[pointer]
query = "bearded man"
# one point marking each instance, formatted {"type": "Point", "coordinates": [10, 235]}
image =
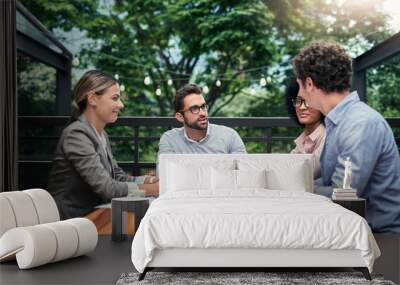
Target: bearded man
{"type": "Point", "coordinates": [197, 135]}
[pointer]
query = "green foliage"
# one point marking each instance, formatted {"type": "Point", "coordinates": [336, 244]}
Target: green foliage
{"type": "Point", "coordinates": [358, 25]}
{"type": "Point", "coordinates": [199, 41]}
{"type": "Point", "coordinates": [383, 87]}
{"type": "Point", "coordinates": [203, 41]}
{"type": "Point", "coordinates": [36, 84]}
{"type": "Point", "coordinates": [63, 14]}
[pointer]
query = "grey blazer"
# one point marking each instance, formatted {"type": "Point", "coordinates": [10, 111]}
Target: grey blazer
{"type": "Point", "coordinates": [83, 174]}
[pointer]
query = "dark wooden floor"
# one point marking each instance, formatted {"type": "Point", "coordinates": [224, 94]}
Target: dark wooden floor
{"type": "Point", "coordinates": [102, 266]}
{"type": "Point", "coordinates": [110, 259]}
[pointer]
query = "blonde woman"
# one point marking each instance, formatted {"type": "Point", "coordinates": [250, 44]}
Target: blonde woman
{"type": "Point", "coordinates": [85, 173]}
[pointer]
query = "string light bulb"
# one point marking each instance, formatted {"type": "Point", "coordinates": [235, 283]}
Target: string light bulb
{"type": "Point", "coordinates": [169, 82]}
{"type": "Point", "coordinates": [158, 91]}
{"type": "Point", "coordinates": [218, 83]}
{"type": "Point", "coordinates": [263, 81]}
{"type": "Point", "coordinates": [205, 89]}
{"type": "Point", "coordinates": [147, 80]}
{"type": "Point", "coordinates": [116, 76]}
{"type": "Point", "coordinates": [269, 79]}
{"type": "Point", "coordinates": [122, 88]}
{"type": "Point", "coordinates": [75, 61]}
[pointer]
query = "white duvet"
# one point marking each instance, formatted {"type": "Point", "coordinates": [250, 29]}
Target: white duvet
{"type": "Point", "coordinates": [250, 219]}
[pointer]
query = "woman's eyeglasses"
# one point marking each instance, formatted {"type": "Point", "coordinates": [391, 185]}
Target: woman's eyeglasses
{"type": "Point", "coordinates": [196, 109]}
{"type": "Point", "coordinates": [299, 101]}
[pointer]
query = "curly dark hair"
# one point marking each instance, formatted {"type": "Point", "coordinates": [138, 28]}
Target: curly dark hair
{"type": "Point", "coordinates": [291, 91]}
{"type": "Point", "coordinates": [327, 64]}
{"type": "Point", "coordinates": [186, 90]}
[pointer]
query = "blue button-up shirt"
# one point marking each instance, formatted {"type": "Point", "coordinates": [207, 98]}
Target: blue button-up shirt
{"type": "Point", "coordinates": [355, 130]}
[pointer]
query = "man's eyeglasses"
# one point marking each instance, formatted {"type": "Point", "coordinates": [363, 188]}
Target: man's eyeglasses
{"type": "Point", "coordinates": [196, 109]}
{"type": "Point", "coordinates": [299, 101]}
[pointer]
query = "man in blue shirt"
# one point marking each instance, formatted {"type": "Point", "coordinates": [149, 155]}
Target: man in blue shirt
{"type": "Point", "coordinates": [197, 135]}
{"type": "Point", "coordinates": [354, 130]}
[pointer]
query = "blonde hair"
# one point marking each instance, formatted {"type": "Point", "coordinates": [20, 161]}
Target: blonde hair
{"type": "Point", "coordinates": [92, 81]}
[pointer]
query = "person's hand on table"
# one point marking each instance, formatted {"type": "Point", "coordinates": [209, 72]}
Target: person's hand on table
{"type": "Point", "coordinates": [151, 173]}
{"type": "Point", "coordinates": [149, 179]}
{"type": "Point", "coordinates": [150, 189]}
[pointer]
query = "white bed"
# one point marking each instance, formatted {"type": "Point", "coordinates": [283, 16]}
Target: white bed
{"type": "Point", "coordinates": [247, 211]}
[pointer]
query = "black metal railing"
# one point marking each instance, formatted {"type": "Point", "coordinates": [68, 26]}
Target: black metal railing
{"type": "Point", "coordinates": [135, 140]}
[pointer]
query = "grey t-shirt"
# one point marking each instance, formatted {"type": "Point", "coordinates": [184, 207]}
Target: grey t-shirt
{"type": "Point", "coordinates": [219, 139]}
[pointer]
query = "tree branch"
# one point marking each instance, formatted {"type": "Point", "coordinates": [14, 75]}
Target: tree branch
{"type": "Point", "coordinates": [226, 103]}
{"type": "Point", "coordinates": [193, 64]}
{"type": "Point", "coordinates": [213, 91]}
{"type": "Point", "coordinates": [165, 59]}
{"type": "Point", "coordinates": [169, 66]}
{"type": "Point", "coordinates": [214, 94]}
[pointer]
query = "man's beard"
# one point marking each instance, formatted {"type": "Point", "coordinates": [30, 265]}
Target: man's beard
{"type": "Point", "coordinates": [196, 125]}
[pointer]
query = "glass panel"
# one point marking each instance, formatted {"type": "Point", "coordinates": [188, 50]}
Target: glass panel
{"type": "Point", "coordinates": [36, 87]}
{"type": "Point", "coordinates": [383, 87]}
{"type": "Point", "coordinates": [36, 95]}
{"type": "Point", "coordinates": [383, 90]}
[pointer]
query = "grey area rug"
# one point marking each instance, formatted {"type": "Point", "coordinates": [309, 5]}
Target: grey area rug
{"type": "Point", "coordinates": [226, 278]}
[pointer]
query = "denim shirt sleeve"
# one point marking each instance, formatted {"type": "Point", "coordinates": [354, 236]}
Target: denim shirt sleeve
{"type": "Point", "coordinates": [361, 143]}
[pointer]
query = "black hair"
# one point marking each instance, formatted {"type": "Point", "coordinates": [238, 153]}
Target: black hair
{"type": "Point", "coordinates": [186, 90]}
{"type": "Point", "coordinates": [291, 92]}
{"type": "Point", "coordinates": [327, 64]}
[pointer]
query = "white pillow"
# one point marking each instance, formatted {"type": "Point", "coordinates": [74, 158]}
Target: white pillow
{"type": "Point", "coordinates": [280, 180]}
{"type": "Point", "coordinates": [228, 179]}
{"type": "Point", "coordinates": [193, 173]}
{"type": "Point", "coordinates": [223, 179]}
{"type": "Point", "coordinates": [286, 173]}
{"type": "Point", "coordinates": [183, 177]}
{"type": "Point", "coordinates": [251, 178]}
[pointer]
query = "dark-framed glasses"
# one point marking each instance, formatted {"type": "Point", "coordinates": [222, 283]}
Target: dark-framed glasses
{"type": "Point", "coordinates": [299, 101]}
{"type": "Point", "coordinates": [196, 109]}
